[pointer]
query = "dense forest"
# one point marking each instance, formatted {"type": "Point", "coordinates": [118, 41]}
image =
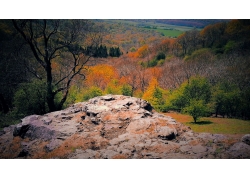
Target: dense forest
{"type": "Point", "coordinates": [47, 65]}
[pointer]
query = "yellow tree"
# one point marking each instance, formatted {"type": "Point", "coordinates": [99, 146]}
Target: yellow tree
{"type": "Point", "coordinates": [155, 95]}
{"type": "Point", "coordinates": [100, 75]}
{"type": "Point", "coordinates": [143, 51]}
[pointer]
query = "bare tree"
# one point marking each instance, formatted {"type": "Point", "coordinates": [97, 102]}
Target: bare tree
{"type": "Point", "coordinates": [189, 41]}
{"type": "Point", "coordinates": [49, 40]}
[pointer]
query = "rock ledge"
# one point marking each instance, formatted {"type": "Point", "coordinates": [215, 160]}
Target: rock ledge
{"type": "Point", "coordinates": [114, 126]}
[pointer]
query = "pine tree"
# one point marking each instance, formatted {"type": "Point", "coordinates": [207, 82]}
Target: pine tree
{"type": "Point", "coordinates": [111, 52]}
{"type": "Point", "coordinates": [105, 52]}
{"type": "Point", "coordinates": [117, 52]}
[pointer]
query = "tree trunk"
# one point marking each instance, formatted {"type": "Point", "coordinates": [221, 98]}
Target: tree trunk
{"type": "Point", "coordinates": [60, 105]}
{"type": "Point", "coordinates": [195, 119]}
{"type": "Point", "coordinates": [50, 101]}
{"type": "Point", "coordinates": [3, 105]}
{"type": "Point", "coordinates": [50, 94]}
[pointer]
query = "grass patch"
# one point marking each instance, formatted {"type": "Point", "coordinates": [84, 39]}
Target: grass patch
{"type": "Point", "coordinates": [170, 32]}
{"type": "Point", "coordinates": [166, 32]}
{"type": "Point", "coordinates": [213, 125]}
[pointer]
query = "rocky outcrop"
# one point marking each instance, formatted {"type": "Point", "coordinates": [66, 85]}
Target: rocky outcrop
{"type": "Point", "coordinates": [246, 139]}
{"type": "Point", "coordinates": [114, 126]}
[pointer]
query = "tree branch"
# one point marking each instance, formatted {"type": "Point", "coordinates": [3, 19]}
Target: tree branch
{"type": "Point", "coordinates": [29, 41]}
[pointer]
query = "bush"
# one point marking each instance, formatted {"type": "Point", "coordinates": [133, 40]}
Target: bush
{"type": "Point", "coordinates": [157, 61]}
{"type": "Point", "coordinates": [91, 93]}
{"type": "Point", "coordinates": [227, 100]}
{"type": "Point", "coordinates": [230, 46]}
{"type": "Point", "coordinates": [9, 119]}
{"type": "Point", "coordinates": [160, 62]}
{"type": "Point", "coordinates": [127, 90]}
{"type": "Point", "coordinates": [160, 56]}
{"type": "Point", "coordinates": [30, 98]}
{"type": "Point", "coordinates": [75, 95]}
{"type": "Point", "coordinates": [156, 96]}
{"type": "Point", "coordinates": [152, 63]}
{"type": "Point", "coordinates": [200, 54]}
{"type": "Point", "coordinates": [132, 49]}
{"type": "Point", "coordinates": [113, 87]}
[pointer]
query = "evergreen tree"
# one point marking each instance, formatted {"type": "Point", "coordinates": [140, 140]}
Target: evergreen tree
{"type": "Point", "coordinates": [117, 52]}
{"type": "Point", "coordinates": [111, 52]}
{"type": "Point", "coordinates": [100, 51]}
{"type": "Point", "coordinates": [105, 52]}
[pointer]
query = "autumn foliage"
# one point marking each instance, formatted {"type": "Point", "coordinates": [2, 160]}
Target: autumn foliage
{"type": "Point", "coordinates": [160, 70]}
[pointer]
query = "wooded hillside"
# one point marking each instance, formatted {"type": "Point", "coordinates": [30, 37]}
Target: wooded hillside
{"type": "Point", "coordinates": [47, 65]}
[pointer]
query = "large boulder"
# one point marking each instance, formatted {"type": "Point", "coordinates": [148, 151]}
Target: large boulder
{"type": "Point", "coordinates": [246, 139]}
{"type": "Point", "coordinates": [113, 126]}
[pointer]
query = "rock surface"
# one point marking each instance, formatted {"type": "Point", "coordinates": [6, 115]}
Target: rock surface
{"type": "Point", "coordinates": [117, 127]}
{"type": "Point", "coordinates": [246, 139]}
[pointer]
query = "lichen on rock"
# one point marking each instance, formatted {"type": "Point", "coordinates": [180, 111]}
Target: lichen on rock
{"type": "Point", "coordinates": [113, 126]}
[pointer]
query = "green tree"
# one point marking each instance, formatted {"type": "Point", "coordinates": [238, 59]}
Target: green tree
{"type": "Point", "coordinates": [132, 49]}
{"type": "Point", "coordinates": [113, 87]}
{"type": "Point", "coordinates": [92, 92]}
{"type": "Point", "coordinates": [155, 95]}
{"type": "Point", "coordinates": [115, 52]}
{"type": "Point", "coordinates": [196, 108]}
{"type": "Point", "coordinates": [112, 52]}
{"type": "Point", "coordinates": [30, 98]}
{"type": "Point", "coordinates": [192, 97]}
{"type": "Point", "coordinates": [177, 100]}
{"type": "Point", "coordinates": [245, 105]}
{"type": "Point", "coordinates": [227, 100]}
{"type": "Point", "coordinates": [198, 88]}
{"type": "Point", "coordinates": [158, 100]}
{"type": "Point", "coordinates": [104, 52]}
{"type": "Point", "coordinates": [126, 90]}
{"type": "Point", "coordinates": [160, 56]}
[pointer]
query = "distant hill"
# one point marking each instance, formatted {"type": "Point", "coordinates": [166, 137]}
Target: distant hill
{"type": "Point", "coordinates": [199, 23]}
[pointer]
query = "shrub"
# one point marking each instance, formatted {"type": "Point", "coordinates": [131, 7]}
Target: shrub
{"type": "Point", "coordinates": [92, 92]}
{"type": "Point", "coordinates": [160, 56]}
{"type": "Point", "coordinates": [160, 62]}
{"type": "Point", "coordinates": [113, 87]}
{"type": "Point", "coordinates": [156, 96]}
{"type": "Point", "coordinates": [127, 90]}
{"type": "Point", "coordinates": [227, 100]}
{"type": "Point", "coordinates": [30, 98]}
{"type": "Point", "coordinates": [230, 46]}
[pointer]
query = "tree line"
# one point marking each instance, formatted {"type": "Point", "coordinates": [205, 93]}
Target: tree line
{"type": "Point", "coordinates": [102, 51]}
{"type": "Point", "coordinates": [219, 53]}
